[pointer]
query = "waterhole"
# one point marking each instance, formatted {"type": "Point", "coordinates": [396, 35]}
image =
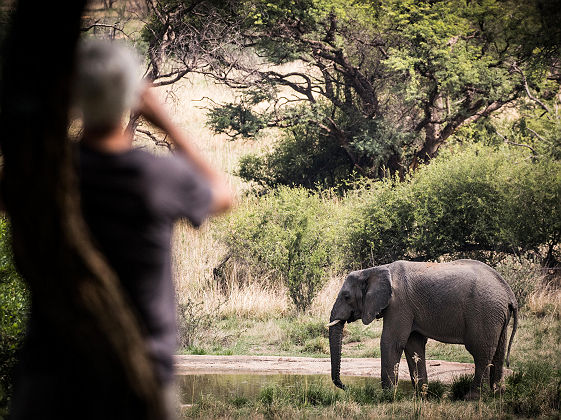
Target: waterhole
{"type": "Point", "coordinates": [193, 388]}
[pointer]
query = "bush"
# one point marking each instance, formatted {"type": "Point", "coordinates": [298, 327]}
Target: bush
{"type": "Point", "coordinates": [470, 202]}
{"type": "Point", "coordinates": [474, 202]}
{"type": "Point", "coordinates": [191, 320]}
{"type": "Point", "coordinates": [458, 204]}
{"type": "Point", "coordinates": [14, 308]}
{"type": "Point", "coordinates": [532, 216]}
{"type": "Point", "coordinates": [460, 387]}
{"type": "Point", "coordinates": [301, 331]}
{"type": "Point", "coordinates": [436, 390]}
{"type": "Point", "coordinates": [380, 222]}
{"type": "Point", "coordinates": [302, 157]}
{"type": "Point", "coordinates": [523, 278]}
{"type": "Point", "coordinates": [286, 234]}
{"type": "Point", "coordinates": [535, 390]}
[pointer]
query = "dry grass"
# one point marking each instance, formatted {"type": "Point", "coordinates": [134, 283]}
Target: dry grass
{"type": "Point", "coordinates": [253, 300]}
{"type": "Point", "coordinates": [545, 302]}
{"type": "Point", "coordinates": [321, 305]}
{"type": "Point", "coordinates": [195, 251]}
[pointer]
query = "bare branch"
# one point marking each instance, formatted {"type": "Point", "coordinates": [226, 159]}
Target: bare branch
{"type": "Point", "coordinates": [158, 142]}
{"type": "Point", "coordinates": [527, 88]}
{"type": "Point", "coordinates": [104, 25]}
{"type": "Point", "coordinates": [507, 141]}
{"type": "Point", "coordinates": [178, 76]}
{"type": "Point", "coordinates": [536, 134]}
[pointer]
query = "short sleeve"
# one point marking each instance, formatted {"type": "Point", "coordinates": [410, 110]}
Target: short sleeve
{"type": "Point", "coordinates": [182, 192]}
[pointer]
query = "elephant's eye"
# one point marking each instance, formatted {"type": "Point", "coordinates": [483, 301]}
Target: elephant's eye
{"type": "Point", "coordinates": [346, 295]}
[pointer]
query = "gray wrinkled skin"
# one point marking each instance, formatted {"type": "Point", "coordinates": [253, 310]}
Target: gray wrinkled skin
{"type": "Point", "coordinates": [464, 302]}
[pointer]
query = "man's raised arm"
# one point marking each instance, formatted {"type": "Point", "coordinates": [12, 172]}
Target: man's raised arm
{"type": "Point", "coordinates": [152, 109]}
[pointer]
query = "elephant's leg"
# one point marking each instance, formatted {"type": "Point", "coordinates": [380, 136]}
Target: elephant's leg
{"type": "Point", "coordinates": [496, 369]}
{"type": "Point", "coordinates": [415, 355]}
{"type": "Point", "coordinates": [392, 343]}
{"type": "Point", "coordinates": [482, 357]}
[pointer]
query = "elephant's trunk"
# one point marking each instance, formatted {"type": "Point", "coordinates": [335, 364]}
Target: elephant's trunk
{"type": "Point", "coordinates": [335, 344]}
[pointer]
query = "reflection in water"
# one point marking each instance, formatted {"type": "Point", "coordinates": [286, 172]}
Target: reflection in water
{"type": "Point", "coordinates": [191, 388]}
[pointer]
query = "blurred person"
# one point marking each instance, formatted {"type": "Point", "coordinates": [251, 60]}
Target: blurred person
{"type": "Point", "coordinates": [130, 200]}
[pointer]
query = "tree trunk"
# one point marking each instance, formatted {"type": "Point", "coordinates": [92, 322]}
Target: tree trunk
{"type": "Point", "coordinates": [71, 284]}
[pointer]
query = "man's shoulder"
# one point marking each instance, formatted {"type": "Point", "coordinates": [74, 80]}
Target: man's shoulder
{"type": "Point", "coordinates": [163, 166]}
{"type": "Point", "coordinates": [141, 159]}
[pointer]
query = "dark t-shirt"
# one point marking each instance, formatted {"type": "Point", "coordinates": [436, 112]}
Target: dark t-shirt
{"type": "Point", "coordinates": [130, 201]}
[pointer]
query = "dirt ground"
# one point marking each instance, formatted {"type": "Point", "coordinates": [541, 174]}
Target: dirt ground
{"type": "Point", "coordinates": [203, 364]}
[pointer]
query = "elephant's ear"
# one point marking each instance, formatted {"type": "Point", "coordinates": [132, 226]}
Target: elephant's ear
{"type": "Point", "coordinates": [378, 293]}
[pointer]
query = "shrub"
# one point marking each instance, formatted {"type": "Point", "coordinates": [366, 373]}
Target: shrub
{"type": "Point", "coordinates": [470, 202]}
{"type": "Point", "coordinates": [301, 157]}
{"type": "Point", "coordinates": [532, 218]}
{"type": "Point", "coordinates": [287, 234]}
{"type": "Point", "coordinates": [436, 390]}
{"type": "Point", "coordinates": [301, 331]}
{"type": "Point", "coordinates": [460, 387]}
{"type": "Point", "coordinates": [317, 345]}
{"type": "Point", "coordinates": [380, 221]}
{"type": "Point", "coordinates": [535, 390]}
{"type": "Point", "coordinates": [458, 204]}
{"type": "Point", "coordinates": [14, 307]}
{"type": "Point", "coordinates": [523, 278]}
{"type": "Point", "coordinates": [194, 321]}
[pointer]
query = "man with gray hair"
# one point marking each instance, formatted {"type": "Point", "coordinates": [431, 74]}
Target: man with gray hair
{"type": "Point", "coordinates": [130, 200]}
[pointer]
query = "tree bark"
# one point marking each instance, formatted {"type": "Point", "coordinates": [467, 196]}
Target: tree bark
{"type": "Point", "coordinates": [71, 284]}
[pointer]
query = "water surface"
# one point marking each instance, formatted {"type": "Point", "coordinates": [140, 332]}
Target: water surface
{"type": "Point", "coordinates": [191, 388]}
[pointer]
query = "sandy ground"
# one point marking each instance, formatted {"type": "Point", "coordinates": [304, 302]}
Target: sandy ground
{"type": "Point", "coordinates": [195, 364]}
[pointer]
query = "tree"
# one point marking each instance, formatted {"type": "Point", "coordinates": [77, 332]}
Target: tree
{"type": "Point", "coordinates": [389, 82]}
{"type": "Point", "coordinates": [68, 278]}
{"type": "Point", "coordinates": [176, 38]}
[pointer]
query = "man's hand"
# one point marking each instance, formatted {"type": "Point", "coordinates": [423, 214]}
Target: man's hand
{"type": "Point", "coordinates": [152, 110]}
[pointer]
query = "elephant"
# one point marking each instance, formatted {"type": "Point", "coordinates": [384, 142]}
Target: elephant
{"type": "Point", "coordinates": [463, 302]}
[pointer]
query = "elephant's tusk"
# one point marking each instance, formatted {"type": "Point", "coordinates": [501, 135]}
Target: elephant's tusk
{"type": "Point", "coordinates": [333, 323]}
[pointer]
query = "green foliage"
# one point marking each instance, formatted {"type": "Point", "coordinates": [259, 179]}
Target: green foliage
{"type": "Point", "coordinates": [285, 234]}
{"type": "Point", "coordinates": [535, 390]}
{"type": "Point", "coordinates": [14, 308]}
{"type": "Point", "coordinates": [320, 394]}
{"type": "Point", "coordinates": [467, 202]}
{"type": "Point", "coordinates": [460, 387]}
{"type": "Point", "coordinates": [301, 157]}
{"type": "Point", "coordinates": [238, 118]}
{"type": "Point", "coordinates": [436, 390]}
{"type": "Point", "coordinates": [458, 203]}
{"type": "Point", "coordinates": [379, 224]}
{"type": "Point", "coordinates": [311, 335]}
{"type": "Point", "coordinates": [373, 394]}
{"type": "Point", "coordinates": [301, 331]}
{"type": "Point", "coordinates": [396, 80]}
{"type": "Point", "coordinates": [239, 402]}
{"type": "Point", "coordinates": [533, 213]}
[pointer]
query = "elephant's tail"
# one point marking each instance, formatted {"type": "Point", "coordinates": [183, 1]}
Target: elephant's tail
{"type": "Point", "coordinates": [513, 307]}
